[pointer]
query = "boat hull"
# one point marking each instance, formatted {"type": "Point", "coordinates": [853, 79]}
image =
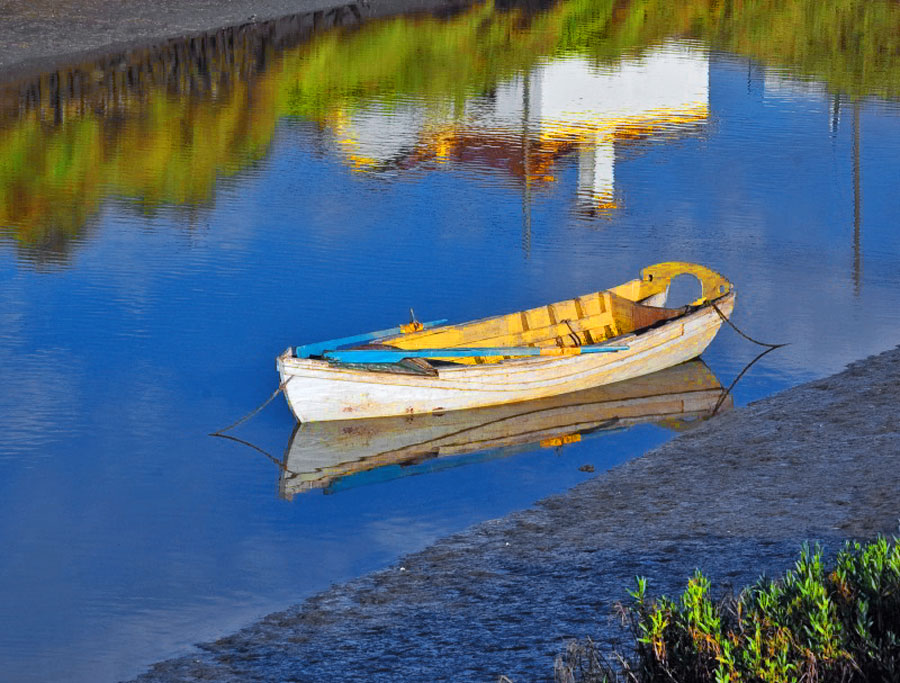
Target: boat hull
{"type": "Point", "coordinates": [318, 391]}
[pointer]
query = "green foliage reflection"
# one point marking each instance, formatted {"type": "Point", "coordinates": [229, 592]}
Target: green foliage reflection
{"type": "Point", "coordinates": [138, 140]}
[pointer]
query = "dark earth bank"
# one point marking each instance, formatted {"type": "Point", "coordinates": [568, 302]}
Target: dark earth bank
{"type": "Point", "coordinates": [40, 35]}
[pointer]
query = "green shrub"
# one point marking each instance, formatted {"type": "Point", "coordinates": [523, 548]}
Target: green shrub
{"type": "Point", "coordinates": [810, 625]}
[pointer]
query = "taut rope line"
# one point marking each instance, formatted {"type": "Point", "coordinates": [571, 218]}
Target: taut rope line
{"type": "Point", "coordinates": [253, 412]}
{"type": "Point", "coordinates": [769, 348]}
{"type": "Point", "coordinates": [744, 335]}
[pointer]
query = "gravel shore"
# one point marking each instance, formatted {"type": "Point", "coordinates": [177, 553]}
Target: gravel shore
{"type": "Point", "coordinates": [735, 497]}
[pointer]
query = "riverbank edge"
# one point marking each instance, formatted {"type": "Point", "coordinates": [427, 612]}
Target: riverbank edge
{"type": "Point", "coordinates": [41, 36]}
{"type": "Point", "coordinates": [736, 497]}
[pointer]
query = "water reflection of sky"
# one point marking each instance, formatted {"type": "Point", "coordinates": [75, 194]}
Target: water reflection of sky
{"type": "Point", "coordinates": [130, 533]}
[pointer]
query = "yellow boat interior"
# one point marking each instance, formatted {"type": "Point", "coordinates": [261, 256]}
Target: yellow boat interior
{"type": "Point", "coordinates": [590, 319]}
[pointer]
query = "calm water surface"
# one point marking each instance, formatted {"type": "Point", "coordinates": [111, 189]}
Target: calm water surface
{"type": "Point", "coordinates": [172, 219]}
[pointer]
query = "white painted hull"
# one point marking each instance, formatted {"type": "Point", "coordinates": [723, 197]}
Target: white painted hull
{"type": "Point", "coordinates": [318, 391]}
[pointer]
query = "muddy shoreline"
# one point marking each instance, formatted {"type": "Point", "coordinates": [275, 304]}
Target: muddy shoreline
{"type": "Point", "coordinates": [735, 497]}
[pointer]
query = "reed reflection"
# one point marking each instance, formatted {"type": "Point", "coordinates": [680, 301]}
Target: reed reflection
{"type": "Point", "coordinates": [158, 127]}
{"type": "Point", "coordinates": [334, 455]}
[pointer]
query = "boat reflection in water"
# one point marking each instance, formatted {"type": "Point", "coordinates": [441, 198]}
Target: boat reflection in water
{"type": "Point", "coordinates": [342, 454]}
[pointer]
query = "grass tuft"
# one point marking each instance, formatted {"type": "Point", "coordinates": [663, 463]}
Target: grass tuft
{"type": "Point", "coordinates": [813, 624]}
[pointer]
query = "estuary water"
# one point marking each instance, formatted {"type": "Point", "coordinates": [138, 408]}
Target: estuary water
{"type": "Point", "coordinates": [173, 218]}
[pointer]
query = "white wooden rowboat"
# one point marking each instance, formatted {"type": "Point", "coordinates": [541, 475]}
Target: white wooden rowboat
{"type": "Point", "coordinates": [341, 454]}
{"type": "Point", "coordinates": [415, 369]}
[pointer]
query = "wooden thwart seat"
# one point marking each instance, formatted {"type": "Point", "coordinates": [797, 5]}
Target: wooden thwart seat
{"type": "Point", "coordinates": [585, 320]}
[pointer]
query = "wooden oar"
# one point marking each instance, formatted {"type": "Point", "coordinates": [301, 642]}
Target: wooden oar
{"type": "Point", "coordinates": [320, 347]}
{"type": "Point", "coordinates": [396, 355]}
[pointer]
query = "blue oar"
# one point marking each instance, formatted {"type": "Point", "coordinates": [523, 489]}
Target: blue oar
{"type": "Point", "coordinates": [396, 355]}
{"type": "Point", "coordinates": [318, 348]}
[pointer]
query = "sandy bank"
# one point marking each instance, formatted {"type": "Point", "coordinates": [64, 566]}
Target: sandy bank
{"type": "Point", "coordinates": [736, 497]}
{"type": "Point", "coordinates": [39, 35]}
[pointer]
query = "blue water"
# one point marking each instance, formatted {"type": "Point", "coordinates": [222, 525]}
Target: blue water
{"type": "Point", "coordinates": [129, 533]}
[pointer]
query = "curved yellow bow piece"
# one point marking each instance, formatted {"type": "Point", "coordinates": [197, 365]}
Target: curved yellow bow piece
{"type": "Point", "coordinates": [713, 285]}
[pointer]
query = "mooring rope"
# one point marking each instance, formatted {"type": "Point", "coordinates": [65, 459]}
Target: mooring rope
{"type": "Point", "coordinates": [253, 446]}
{"type": "Point", "coordinates": [741, 374]}
{"type": "Point", "coordinates": [744, 335]}
{"type": "Point", "coordinates": [253, 412]}
{"type": "Point", "coordinates": [769, 348]}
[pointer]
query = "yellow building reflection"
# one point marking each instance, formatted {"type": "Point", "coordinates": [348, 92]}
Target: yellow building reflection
{"type": "Point", "coordinates": [527, 123]}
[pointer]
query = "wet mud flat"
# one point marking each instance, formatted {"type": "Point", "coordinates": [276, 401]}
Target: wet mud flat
{"type": "Point", "coordinates": [735, 497]}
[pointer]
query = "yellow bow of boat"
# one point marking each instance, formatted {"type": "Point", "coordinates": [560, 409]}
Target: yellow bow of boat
{"type": "Point", "coordinates": [595, 339]}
